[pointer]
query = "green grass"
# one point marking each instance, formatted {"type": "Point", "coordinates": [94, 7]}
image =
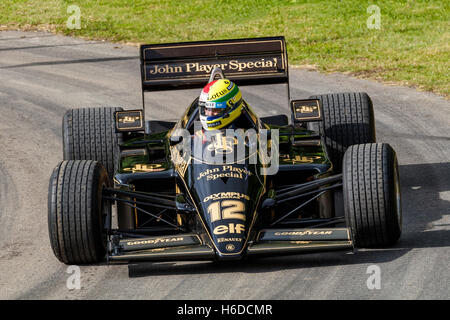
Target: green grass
{"type": "Point", "coordinates": [411, 47]}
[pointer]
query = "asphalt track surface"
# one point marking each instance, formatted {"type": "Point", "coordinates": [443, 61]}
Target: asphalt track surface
{"type": "Point", "coordinates": [43, 75]}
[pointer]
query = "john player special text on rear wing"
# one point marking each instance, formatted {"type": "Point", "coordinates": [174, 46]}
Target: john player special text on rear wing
{"type": "Point", "coordinates": [189, 64]}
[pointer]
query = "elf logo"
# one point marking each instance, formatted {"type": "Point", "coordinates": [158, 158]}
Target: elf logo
{"type": "Point", "coordinates": [237, 228]}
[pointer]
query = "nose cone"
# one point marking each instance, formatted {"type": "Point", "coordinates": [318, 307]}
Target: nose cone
{"type": "Point", "coordinates": [226, 187]}
{"type": "Point", "coordinates": [227, 197]}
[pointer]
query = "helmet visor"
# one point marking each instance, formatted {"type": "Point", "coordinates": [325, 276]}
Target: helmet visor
{"type": "Point", "coordinates": [212, 110]}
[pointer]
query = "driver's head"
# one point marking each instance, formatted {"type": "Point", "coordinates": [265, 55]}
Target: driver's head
{"type": "Point", "coordinates": [220, 104]}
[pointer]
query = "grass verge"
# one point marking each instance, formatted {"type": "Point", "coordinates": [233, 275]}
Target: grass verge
{"type": "Point", "coordinates": [411, 47]}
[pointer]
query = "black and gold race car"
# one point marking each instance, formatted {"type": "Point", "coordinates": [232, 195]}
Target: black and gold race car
{"type": "Point", "coordinates": [135, 190]}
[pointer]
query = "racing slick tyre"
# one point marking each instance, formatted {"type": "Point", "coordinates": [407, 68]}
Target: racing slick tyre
{"type": "Point", "coordinates": [89, 134]}
{"type": "Point", "coordinates": [372, 195]}
{"type": "Point", "coordinates": [347, 119]}
{"type": "Point", "coordinates": [76, 212]}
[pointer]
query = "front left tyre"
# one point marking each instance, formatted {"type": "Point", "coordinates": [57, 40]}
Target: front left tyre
{"type": "Point", "coordinates": [76, 212]}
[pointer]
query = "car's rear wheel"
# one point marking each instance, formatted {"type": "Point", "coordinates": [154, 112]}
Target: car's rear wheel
{"type": "Point", "coordinates": [89, 134]}
{"type": "Point", "coordinates": [372, 201]}
{"type": "Point", "coordinates": [348, 119]}
{"type": "Point", "coordinates": [76, 212]}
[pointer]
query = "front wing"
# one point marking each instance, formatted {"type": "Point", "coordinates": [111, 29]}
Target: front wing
{"type": "Point", "coordinates": [190, 246]}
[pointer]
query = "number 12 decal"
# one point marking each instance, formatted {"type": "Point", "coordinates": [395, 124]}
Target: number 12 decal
{"type": "Point", "coordinates": [227, 209]}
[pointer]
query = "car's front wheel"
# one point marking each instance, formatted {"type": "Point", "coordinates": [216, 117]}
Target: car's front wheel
{"type": "Point", "coordinates": [372, 201]}
{"type": "Point", "coordinates": [76, 212]}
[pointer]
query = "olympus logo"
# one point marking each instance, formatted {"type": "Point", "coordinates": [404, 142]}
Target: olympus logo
{"type": "Point", "coordinates": [226, 195]}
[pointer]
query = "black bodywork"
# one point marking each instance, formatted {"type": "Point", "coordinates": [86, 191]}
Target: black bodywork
{"type": "Point", "coordinates": [173, 207]}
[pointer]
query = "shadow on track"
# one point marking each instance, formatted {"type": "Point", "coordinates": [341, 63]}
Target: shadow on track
{"type": "Point", "coordinates": [421, 185]}
{"type": "Point", "coordinates": [264, 265]}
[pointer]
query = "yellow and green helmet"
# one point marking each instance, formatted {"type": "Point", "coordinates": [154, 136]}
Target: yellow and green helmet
{"type": "Point", "coordinates": [220, 104]}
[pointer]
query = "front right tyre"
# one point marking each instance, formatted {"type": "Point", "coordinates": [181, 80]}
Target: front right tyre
{"type": "Point", "coordinates": [76, 212]}
{"type": "Point", "coordinates": [372, 200]}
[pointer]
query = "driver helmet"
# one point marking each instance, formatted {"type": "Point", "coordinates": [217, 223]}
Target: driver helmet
{"type": "Point", "coordinates": [220, 104]}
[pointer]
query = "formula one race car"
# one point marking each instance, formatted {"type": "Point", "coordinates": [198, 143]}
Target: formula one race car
{"type": "Point", "coordinates": [135, 190]}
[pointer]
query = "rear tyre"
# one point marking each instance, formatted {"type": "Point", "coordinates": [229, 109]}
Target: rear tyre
{"type": "Point", "coordinates": [348, 119]}
{"type": "Point", "coordinates": [89, 134]}
{"type": "Point", "coordinates": [76, 212]}
{"type": "Point", "coordinates": [372, 200]}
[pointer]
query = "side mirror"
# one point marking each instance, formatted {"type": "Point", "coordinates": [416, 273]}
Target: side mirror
{"type": "Point", "coordinates": [182, 204]}
{"type": "Point", "coordinates": [174, 140]}
{"type": "Point", "coordinates": [268, 203]}
{"type": "Point", "coordinates": [306, 110]}
{"type": "Point", "coordinates": [129, 120]}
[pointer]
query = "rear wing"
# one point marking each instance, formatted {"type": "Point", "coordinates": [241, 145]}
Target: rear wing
{"type": "Point", "coordinates": [189, 64]}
